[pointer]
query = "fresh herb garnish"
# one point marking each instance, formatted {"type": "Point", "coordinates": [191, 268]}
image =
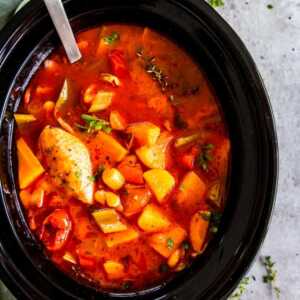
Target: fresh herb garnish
{"type": "Point", "coordinates": [271, 274]}
{"type": "Point", "coordinates": [270, 6]}
{"type": "Point", "coordinates": [112, 38]}
{"type": "Point", "coordinates": [94, 124]}
{"type": "Point", "coordinates": [214, 219]}
{"type": "Point", "coordinates": [153, 69]}
{"type": "Point", "coordinates": [240, 290]}
{"type": "Point", "coordinates": [216, 3]}
{"type": "Point", "coordinates": [205, 156]}
{"type": "Point", "coordinates": [170, 243]}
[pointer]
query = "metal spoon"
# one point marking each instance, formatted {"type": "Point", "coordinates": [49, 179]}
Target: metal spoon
{"type": "Point", "coordinates": [63, 28]}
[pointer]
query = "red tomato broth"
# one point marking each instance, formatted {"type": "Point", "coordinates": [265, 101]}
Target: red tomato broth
{"type": "Point", "coordinates": [174, 96]}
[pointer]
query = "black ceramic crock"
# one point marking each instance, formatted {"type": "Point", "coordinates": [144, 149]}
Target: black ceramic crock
{"type": "Point", "coordinates": [29, 38]}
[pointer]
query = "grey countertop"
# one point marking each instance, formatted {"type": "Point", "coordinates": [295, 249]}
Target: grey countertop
{"type": "Point", "coordinates": [273, 38]}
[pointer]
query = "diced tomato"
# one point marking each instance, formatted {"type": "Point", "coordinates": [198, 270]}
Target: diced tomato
{"type": "Point", "coordinates": [56, 230]}
{"type": "Point", "coordinates": [117, 61]}
{"type": "Point", "coordinates": [188, 158]}
{"type": "Point", "coordinates": [131, 170]}
{"type": "Point", "coordinates": [85, 261]}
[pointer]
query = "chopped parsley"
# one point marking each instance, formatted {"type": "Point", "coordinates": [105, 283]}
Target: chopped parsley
{"type": "Point", "coordinates": [205, 156]}
{"type": "Point", "coordinates": [216, 3]}
{"type": "Point", "coordinates": [153, 69]}
{"type": "Point", "coordinates": [112, 38]}
{"type": "Point", "coordinates": [170, 243]}
{"type": "Point", "coordinates": [94, 124]}
{"type": "Point", "coordinates": [271, 274]}
{"type": "Point", "coordinates": [214, 218]}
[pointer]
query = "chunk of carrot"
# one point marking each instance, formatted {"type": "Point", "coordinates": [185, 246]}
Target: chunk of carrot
{"type": "Point", "coordinates": [198, 230]}
{"type": "Point", "coordinates": [113, 149]}
{"type": "Point", "coordinates": [29, 166]}
{"type": "Point", "coordinates": [153, 219]}
{"type": "Point", "coordinates": [165, 243]}
{"type": "Point", "coordinates": [191, 191]}
{"type": "Point", "coordinates": [161, 183]}
{"type": "Point", "coordinates": [118, 238]}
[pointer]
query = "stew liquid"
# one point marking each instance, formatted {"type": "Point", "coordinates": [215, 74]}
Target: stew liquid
{"type": "Point", "coordinates": [123, 158]}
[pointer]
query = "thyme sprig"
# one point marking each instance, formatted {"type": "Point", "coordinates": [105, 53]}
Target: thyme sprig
{"type": "Point", "coordinates": [153, 69]}
{"type": "Point", "coordinates": [271, 274]}
{"type": "Point", "coordinates": [205, 156]}
{"type": "Point", "coordinates": [216, 3]}
{"type": "Point", "coordinates": [93, 124]}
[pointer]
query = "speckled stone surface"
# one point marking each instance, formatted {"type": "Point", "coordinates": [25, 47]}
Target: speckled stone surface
{"type": "Point", "coordinates": [273, 38]}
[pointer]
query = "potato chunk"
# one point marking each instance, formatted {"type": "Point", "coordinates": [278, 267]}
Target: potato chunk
{"type": "Point", "coordinates": [166, 243]}
{"type": "Point", "coordinates": [191, 191]}
{"type": "Point", "coordinates": [161, 183]}
{"type": "Point", "coordinates": [101, 101]}
{"type": "Point", "coordinates": [113, 269]}
{"type": "Point", "coordinates": [113, 178]}
{"type": "Point", "coordinates": [153, 219]}
{"type": "Point", "coordinates": [145, 133]}
{"type": "Point", "coordinates": [29, 166]}
{"type": "Point", "coordinates": [198, 230]}
{"type": "Point", "coordinates": [108, 220]}
{"type": "Point", "coordinates": [22, 119]}
{"type": "Point", "coordinates": [118, 238]}
{"type": "Point", "coordinates": [154, 157]}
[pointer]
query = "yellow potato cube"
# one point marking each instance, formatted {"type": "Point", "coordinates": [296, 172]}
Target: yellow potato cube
{"type": "Point", "coordinates": [108, 220]}
{"type": "Point", "coordinates": [152, 219]}
{"type": "Point", "coordinates": [29, 166]}
{"type": "Point", "coordinates": [101, 101]}
{"type": "Point", "coordinates": [161, 183]}
{"type": "Point", "coordinates": [113, 178]}
{"type": "Point", "coordinates": [113, 269]}
{"type": "Point", "coordinates": [117, 122]}
{"type": "Point", "coordinates": [145, 133]}
{"type": "Point", "coordinates": [24, 118]}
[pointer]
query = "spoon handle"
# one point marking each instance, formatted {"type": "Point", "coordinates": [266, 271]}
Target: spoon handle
{"type": "Point", "coordinates": [63, 28]}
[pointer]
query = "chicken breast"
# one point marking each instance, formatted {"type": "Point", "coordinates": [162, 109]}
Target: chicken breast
{"type": "Point", "coordinates": [68, 162]}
